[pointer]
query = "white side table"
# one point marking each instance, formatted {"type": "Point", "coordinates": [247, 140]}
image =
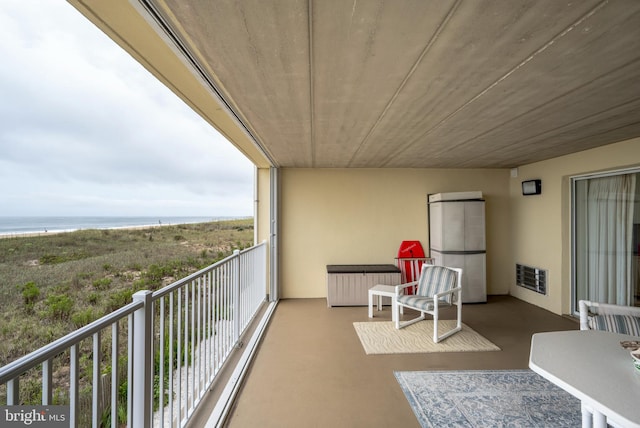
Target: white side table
{"type": "Point", "coordinates": [381, 291]}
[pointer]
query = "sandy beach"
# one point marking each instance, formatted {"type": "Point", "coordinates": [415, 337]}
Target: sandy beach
{"type": "Point", "coordinates": [56, 232]}
{"type": "Point", "coordinates": [18, 227]}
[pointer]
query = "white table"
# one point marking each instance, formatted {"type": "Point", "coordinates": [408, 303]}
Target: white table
{"type": "Point", "coordinates": [592, 366]}
{"type": "Point", "coordinates": [380, 291]}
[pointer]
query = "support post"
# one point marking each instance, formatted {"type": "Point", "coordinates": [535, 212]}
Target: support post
{"type": "Point", "coordinates": [142, 397]}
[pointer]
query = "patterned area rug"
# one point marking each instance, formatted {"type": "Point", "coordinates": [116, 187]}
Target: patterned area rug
{"type": "Point", "coordinates": [384, 338]}
{"type": "Point", "coordinates": [503, 398]}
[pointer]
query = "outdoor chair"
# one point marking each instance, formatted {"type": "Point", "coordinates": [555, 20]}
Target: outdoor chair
{"type": "Point", "coordinates": [609, 317]}
{"type": "Point", "coordinates": [437, 286]}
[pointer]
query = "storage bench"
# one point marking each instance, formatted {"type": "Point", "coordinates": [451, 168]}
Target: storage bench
{"type": "Point", "coordinates": [348, 285]}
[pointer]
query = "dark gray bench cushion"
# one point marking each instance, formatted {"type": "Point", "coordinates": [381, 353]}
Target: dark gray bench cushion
{"type": "Point", "coordinates": [364, 269]}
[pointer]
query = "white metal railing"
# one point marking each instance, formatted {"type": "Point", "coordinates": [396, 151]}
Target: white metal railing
{"type": "Point", "coordinates": [173, 342]}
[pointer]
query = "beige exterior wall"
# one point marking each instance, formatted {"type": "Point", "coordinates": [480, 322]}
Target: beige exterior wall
{"type": "Point", "coordinates": [352, 216]}
{"type": "Point", "coordinates": [541, 224]}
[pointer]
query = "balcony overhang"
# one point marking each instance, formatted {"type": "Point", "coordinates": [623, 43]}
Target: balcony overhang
{"type": "Point", "coordinates": [446, 84]}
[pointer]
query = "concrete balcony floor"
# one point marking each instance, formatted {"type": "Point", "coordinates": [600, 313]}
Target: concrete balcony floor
{"type": "Point", "coordinates": [311, 370]}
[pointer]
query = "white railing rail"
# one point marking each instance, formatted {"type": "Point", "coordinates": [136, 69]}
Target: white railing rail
{"type": "Point", "coordinates": [173, 342]}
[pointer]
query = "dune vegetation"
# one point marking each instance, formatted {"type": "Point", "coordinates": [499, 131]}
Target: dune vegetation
{"type": "Point", "coordinates": [51, 285]}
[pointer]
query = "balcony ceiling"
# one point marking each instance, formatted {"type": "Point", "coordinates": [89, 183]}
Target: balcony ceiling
{"type": "Point", "coordinates": [408, 84]}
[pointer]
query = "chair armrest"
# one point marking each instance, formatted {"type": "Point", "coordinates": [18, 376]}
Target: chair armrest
{"type": "Point", "coordinates": [583, 307]}
{"type": "Point", "coordinates": [437, 296]}
{"type": "Point", "coordinates": [400, 288]}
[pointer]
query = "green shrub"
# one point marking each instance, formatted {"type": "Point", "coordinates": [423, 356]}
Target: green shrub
{"type": "Point", "coordinates": [59, 306]}
{"type": "Point", "coordinates": [52, 259]}
{"type": "Point", "coordinates": [82, 318]}
{"type": "Point", "coordinates": [30, 293]}
{"type": "Point", "coordinates": [141, 284]}
{"type": "Point", "coordinates": [30, 392]}
{"type": "Point", "coordinates": [119, 299]}
{"type": "Point", "coordinates": [93, 298]}
{"type": "Point", "coordinates": [105, 419]}
{"type": "Point", "coordinates": [102, 283]}
{"type": "Point", "coordinates": [154, 272]}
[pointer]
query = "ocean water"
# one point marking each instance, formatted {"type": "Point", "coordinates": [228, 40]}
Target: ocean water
{"type": "Point", "coordinates": [22, 225]}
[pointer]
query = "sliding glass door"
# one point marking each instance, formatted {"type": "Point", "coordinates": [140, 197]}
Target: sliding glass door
{"type": "Point", "coordinates": [606, 228]}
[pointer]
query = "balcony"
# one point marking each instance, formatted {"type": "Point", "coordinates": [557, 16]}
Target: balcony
{"type": "Point", "coordinates": [309, 367]}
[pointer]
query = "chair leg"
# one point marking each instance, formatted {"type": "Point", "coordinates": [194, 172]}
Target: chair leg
{"type": "Point", "coordinates": [456, 329]}
{"type": "Point", "coordinates": [435, 322]}
{"type": "Point", "coordinates": [447, 334]}
{"type": "Point", "coordinates": [399, 324]}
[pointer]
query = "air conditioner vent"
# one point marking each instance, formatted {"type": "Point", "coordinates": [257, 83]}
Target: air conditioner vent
{"type": "Point", "coordinates": [531, 278]}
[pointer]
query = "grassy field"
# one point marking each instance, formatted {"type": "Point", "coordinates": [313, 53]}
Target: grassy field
{"type": "Point", "coordinates": [51, 285]}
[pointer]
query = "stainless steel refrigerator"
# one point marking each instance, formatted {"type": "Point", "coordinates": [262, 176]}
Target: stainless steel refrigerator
{"type": "Point", "coordinates": [457, 239]}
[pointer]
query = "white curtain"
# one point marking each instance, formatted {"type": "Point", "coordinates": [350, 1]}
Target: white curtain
{"type": "Point", "coordinates": [609, 226]}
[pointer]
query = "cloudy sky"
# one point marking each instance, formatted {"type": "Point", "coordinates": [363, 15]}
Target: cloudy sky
{"type": "Point", "coordinates": [86, 130]}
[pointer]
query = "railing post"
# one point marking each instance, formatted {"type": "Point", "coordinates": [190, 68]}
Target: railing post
{"type": "Point", "coordinates": [13, 392]}
{"type": "Point", "coordinates": [74, 385]}
{"type": "Point", "coordinates": [236, 294]}
{"type": "Point", "coordinates": [142, 396]}
{"type": "Point", "coordinates": [47, 381]}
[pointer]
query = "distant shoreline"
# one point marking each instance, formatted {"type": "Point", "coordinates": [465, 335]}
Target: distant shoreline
{"type": "Point", "coordinates": [57, 232]}
{"type": "Point", "coordinates": [132, 227]}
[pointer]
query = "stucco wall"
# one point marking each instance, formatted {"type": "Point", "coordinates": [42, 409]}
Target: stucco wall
{"type": "Point", "coordinates": [350, 216]}
{"type": "Point", "coordinates": [541, 224]}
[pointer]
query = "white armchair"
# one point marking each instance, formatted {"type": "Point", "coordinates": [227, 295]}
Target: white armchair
{"type": "Point", "coordinates": [609, 317]}
{"type": "Point", "coordinates": [436, 286]}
